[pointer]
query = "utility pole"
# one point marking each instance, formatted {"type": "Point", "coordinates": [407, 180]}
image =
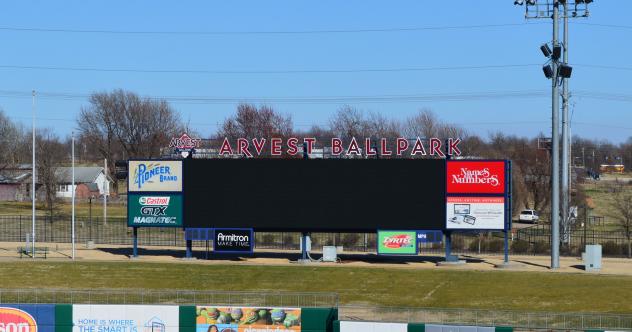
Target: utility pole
{"type": "Point", "coordinates": [74, 189]}
{"type": "Point", "coordinates": [554, 70]}
{"type": "Point", "coordinates": [555, 176]}
{"type": "Point", "coordinates": [566, 187]}
{"type": "Point", "coordinates": [33, 179]}
{"type": "Point", "coordinates": [106, 191]}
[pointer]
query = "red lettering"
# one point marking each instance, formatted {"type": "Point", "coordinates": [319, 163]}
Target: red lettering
{"type": "Point", "coordinates": [276, 146]}
{"type": "Point", "coordinates": [453, 148]}
{"type": "Point", "coordinates": [258, 145]}
{"type": "Point", "coordinates": [310, 144]}
{"type": "Point", "coordinates": [292, 148]}
{"type": "Point", "coordinates": [226, 149]}
{"type": "Point", "coordinates": [435, 147]}
{"type": "Point", "coordinates": [418, 148]}
{"type": "Point", "coordinates": [354, 148]}
{"type": "Point", "coordinates": [336, 146]}
{"type": "Point", "coordinates": [367, 146]}
{"type": "Point", "coordinates": [385, 151]}
{"type": "Point", "coordinates": [402, 145]}
{"type": "Point", "coordinates": [242, 147]}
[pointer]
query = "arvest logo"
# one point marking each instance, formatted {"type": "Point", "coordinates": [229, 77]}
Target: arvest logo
{"type": "Point", "coordinates": [476, 177]}
{"type": "Point", "coordinates": [16, 320]}
{"type": "Point", "coordinates": [398, 241]}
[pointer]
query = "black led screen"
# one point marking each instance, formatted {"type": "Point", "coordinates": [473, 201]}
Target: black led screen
{"type": "Point", "coordinates": [315, 195]}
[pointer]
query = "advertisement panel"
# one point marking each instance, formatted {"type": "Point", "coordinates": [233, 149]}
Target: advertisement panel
{"type": "Point", "coordinates": [27, 318]}
{"type": "Point", "coordinates": [475, 177]}
{"type": "Point", "coordinates": [163, 210]}
{"type": "Point", "coordinates": [155, 175]}
{"type": "Point", "coordinates": [247, 319]}
{"type": "Point", "coordinates": [476, 213]}
{"type": "Point", "coordinates": [125, 318]}
{"type": "Point", "coordinates": [233, 240]}
{"type": "Point", "coordinates": [429, 236]}
{"type": "Point", "coordinates": [351, 326]}
{"type": "Point", "coordinates": [397, 243]}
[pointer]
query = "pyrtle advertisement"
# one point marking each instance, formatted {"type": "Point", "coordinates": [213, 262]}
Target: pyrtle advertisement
{"type": "Point", "coordinates": [247, 319]}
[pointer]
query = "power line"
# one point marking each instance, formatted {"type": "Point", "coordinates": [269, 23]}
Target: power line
{"type": "Point", "coordinates": [614, 26]}
{"type": "Point", "coordinates": [262, 32]}
{"type": "Point", "coordinates": [241, 72]}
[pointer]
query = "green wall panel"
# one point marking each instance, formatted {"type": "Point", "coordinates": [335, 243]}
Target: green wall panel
{"type": "Point", "coordinates": [416, 327]}
{"type": "Point", "coordinates": [187, 318]}
{"type": "Point", "coordinates": [63, 318]}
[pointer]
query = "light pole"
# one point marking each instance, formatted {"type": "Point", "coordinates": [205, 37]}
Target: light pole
{"type": "Point", "coordinates": [554, 70]}
{"type": "Point", "coordinates": [73, 188]}
{"type": "Point", "coordinates": [33, 177]}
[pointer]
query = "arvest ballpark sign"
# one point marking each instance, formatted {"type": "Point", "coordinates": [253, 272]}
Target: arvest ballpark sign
{"type": "Point", "coordinates": [362, 146]}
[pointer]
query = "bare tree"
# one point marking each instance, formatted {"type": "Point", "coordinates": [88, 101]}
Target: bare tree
{"type": "Point", "coordinates": [424, 124]}
{"type": "Point", "coordinates": [122, 125]}
{"type": "Point", "coordinates": [50, 153]}
{"type": "Point", "coordinates": [622, 212]}
{"type": "Point", "coordinates": [252, 122]}
{"type": "Point", "coordinates": [10, 138]}
{"type": "Point", "coordinates": [349, 122]}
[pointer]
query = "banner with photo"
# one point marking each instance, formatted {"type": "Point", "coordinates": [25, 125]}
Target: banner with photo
{"type": "Point", "coordinates": [125, 318]}
{"type": "Point", "coordinates": [486, 213]}
{"type": "Point", "coordinates": [247, 319]}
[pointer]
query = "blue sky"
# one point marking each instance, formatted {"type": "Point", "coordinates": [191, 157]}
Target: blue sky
{"type": "Point", "coordinates": [514, 42]}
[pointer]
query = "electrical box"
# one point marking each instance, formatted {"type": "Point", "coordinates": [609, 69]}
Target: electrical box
{"type": "Point", "coordinates": [330, 254]}
{"type": "Point", "coordinates": [592, 258]}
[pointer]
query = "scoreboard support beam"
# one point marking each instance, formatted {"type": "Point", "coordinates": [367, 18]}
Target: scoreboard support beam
{"type": "Point", "coordinates": [189, 253]}
{"type": "Point", "coordinates": [135, 250]}
{"type": "Point", "coordinates": [448, 248]}
{"type": "Point", "coordinates": [304, 246]}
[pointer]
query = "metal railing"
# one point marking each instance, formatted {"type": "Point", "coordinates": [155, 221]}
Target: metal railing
{"type": "Point", "coordinates": [516, 319]}
{"type": "Point", "coordinates": [172, 297]}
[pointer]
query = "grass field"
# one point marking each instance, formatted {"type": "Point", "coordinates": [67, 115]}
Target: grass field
{"type": "Point", "coordinates": [532, 291]}
{"type": "Point", "coordinates": [81, 209]}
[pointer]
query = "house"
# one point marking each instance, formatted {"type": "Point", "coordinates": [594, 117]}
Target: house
{"type": "Point", "coordinates": [15, 186]}
{"type": "Point", "coordinates": [89, 181]}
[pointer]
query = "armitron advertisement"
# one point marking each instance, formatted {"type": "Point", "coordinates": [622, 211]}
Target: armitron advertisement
{"type": "Point", "coordinates": [476, 213]}
{"type": "Point", "coordinates": [236, 240]}
{"type": "Point", "coordinates": [247, 319]}
{"type": "Point", "coordinates": [27, 318]}
{"type": "Point", "coordinates": [155, 175]}
{"type": "Point", "coordinates": [125, 318]}
{"type": "Point", "coordinates": [163, 210]}
{"type": "Point", "coordinates": [397, 243]}
{"type": "Point", "coordinates": [475, 177]}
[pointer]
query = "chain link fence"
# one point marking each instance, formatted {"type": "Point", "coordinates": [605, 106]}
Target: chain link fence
{"type": "Point", "coordinates": [172, 297]}
{"type": "Point", "coordinates": [516, 319]}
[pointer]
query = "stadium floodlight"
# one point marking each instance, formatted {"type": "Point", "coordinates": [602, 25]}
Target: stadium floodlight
{"type": "Point", "coordinates": [518, 2]}
{"type": "Point", "coordinates": [531, 2]}
{"type": "Point", "coordinates": [557, 52]}
{"type": "Point", "coordinates": [565, 71]}
{"type": "Point", "coordinates": [546, 50]}
{"type": "Point", "coordinates": [548, 71]}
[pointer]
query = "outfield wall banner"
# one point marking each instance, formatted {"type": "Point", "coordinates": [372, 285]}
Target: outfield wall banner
{"type": "Point", "coordinates": [234, 240]}
{"type": "Point", "coordinates": [27, 318]}
{"type": "Point", "coordinates": [155, 175]}
{"type": "Point", "coordinates": [125, 318]}
{"type": "Point", "coordinates": [348, 326]}
{"type": "Point", "coordinates": [247, 319]}
{"type": "Point", "coordinates": [397, 243]}
{"type": "Point", "coordinates": [476, 213]}
{"type": "Point", "coordinates": [475, 177]}
{"type": "Point", "coordinates": [163, 210]}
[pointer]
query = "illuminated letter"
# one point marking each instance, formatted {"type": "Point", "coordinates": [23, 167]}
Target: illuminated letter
{"type": "Point", "coordinates": [226, 149]}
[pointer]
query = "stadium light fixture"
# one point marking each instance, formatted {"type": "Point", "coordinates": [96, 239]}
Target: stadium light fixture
{"type": "Point", "coordinates": [565, 71]}
{"type": "Point", "coordinates": [546, 50]}
{"type": "Point", "coordinates": [557, 52]}
{"type": "Point", "coordinates": [548, 71]}
{"type": "Point", "coordinates": [518, 2]}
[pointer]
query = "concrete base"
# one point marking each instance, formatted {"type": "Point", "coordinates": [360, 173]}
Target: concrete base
{"type": "Point", "coordinates": [507, 266]}
{"type": "Point", "coordinates": [188, 259]}
{"type": "Point", "coordinates": [90, 245]}
{"type": "Point", "coordinates": [304, 261]}
{"type": "Point", "coordinates": [459, 262]}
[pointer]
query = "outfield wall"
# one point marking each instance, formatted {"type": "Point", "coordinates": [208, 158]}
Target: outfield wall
{"type": "Point", "coordinates": [352, 326]}
{"type": "Point", "coordinates": [162, 318]}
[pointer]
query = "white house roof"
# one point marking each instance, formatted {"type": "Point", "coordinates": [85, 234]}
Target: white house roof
{"type": "Point", "coordinates": [82, 174]}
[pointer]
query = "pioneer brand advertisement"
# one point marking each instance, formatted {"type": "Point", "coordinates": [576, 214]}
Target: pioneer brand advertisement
{"type": "Point", "coordinates": [476, 213]}
{"type": "Point", "coordinates": [475, 177]}
{"type": "Point", "coordinates": [163, 210]}
{"type": "Point", "coordinates": [155, 175]}
{"type": "Point", "coordinates": [397, 243]}
{"type": "Point", "coordinates": [236, 240]}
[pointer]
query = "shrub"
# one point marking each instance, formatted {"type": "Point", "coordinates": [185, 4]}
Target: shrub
{"type": "Point", "coordinates": [350, 240]}
{"type": "Point", "coordinates": [611, 248]}
{"type": "Point", "coordinates": [541, 247]}
{"type": "Point", "coordinates": [495, 245]}
{"type": "Point", "coordinates": [520, 247]}
{"type": "Point", "coordinates": [458, 243]}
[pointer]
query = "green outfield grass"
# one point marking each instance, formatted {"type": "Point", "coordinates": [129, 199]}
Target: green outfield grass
{"type": "Point", "coordinates": [532, 291]}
